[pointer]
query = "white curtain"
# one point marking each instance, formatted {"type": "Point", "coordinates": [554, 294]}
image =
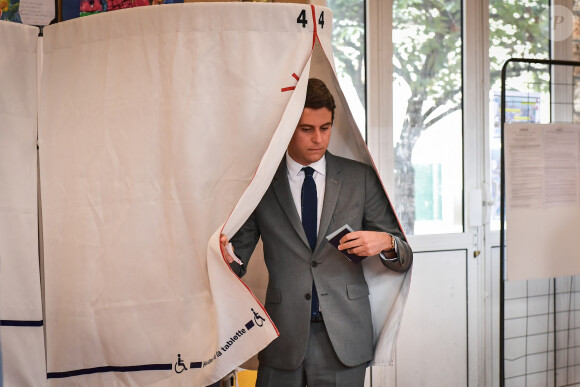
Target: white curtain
{"type": "Point", "coordinates": [21, 331]}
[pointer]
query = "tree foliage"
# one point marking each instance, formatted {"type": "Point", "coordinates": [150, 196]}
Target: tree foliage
{"type": "Point", "coordinates": [517, 30]}
{"type": "Point", "coordinates": [348, 36]}
{"type": "Point", "coordinates": [427, 60]}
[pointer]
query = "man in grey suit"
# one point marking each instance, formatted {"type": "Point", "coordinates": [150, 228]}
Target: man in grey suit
{"type": "Point", "coordinates": [318, 299]}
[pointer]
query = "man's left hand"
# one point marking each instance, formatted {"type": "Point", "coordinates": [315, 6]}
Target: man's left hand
{"type": "Point", "coordinates": [366, 243]}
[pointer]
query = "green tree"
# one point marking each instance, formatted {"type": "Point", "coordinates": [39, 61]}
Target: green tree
{"type": "Point", "coordinates": [348, 37]}
{"type": "Point", "coordinates": [427, 59]}
{"type": "Point", "coordinates": [518, 30]}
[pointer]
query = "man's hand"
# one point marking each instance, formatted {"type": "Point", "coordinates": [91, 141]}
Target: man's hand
{"type": "Point", "coordinates": [366, 243]}
{"type": "Point", "coordinates": [223, 243]}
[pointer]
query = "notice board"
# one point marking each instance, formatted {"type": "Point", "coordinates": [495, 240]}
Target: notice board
{"type": "Point", "coordinates": [542, 165]}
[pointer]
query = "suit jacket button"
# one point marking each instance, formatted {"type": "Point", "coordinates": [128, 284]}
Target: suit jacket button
{"type": "Point", "coordinates": [314, 263]}
{"type": "Point", "coordinates": [307, 296]}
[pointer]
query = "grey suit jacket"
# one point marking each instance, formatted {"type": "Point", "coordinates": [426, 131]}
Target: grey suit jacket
{"type": "Point", "coordinates": [353, 196]}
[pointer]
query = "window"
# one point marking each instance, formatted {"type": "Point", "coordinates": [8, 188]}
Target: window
{"type": "Point", "coordinates": [348, 40]}
{"type": "Point", "coordinates": [516, 30]}
{"type": "Point", "coordinates": [427, 115]}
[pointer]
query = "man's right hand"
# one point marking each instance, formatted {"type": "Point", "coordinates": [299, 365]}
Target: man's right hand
{"type": "Point", "coordinates": [223, 243]}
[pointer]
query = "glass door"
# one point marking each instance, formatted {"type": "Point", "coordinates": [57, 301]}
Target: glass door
{"type": "Point", "coordinates": [516, 30]}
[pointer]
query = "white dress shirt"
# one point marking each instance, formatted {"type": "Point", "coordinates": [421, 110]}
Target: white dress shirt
{"type": "Point", "coordinates": [296, 179]}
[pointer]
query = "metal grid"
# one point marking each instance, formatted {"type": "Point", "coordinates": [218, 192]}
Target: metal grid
{"type": "Point", "coordinates": [539, 319]}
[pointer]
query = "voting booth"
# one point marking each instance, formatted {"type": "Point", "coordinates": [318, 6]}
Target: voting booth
{"type": "Point", "coordinates": [158, 128]}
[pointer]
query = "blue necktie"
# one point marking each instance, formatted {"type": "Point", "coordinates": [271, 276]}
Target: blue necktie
{"type": "Point", "coordinates": [309, 222]}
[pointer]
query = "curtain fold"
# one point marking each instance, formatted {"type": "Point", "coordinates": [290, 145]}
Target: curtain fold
{"type": "Point", "coordinates": [21, 320]}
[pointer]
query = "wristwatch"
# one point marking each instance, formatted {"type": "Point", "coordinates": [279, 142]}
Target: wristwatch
{"type": "Point", "coordinates": [384, 258]}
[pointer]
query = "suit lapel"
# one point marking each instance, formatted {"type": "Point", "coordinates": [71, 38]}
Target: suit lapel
{"type": "Point", "coordinates": [331, 191]}
{"type": "Point", "coordinates": [282, 190]}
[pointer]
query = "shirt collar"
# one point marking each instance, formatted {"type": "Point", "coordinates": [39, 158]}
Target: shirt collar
{"type": "Point", "coordinates": [294, 168]}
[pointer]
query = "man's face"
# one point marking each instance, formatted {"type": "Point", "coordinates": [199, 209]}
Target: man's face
{"type": "Point", "coordinates": [311, 136]}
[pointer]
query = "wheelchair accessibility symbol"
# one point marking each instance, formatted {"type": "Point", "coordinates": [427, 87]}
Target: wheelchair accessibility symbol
{"type": "Point", "coordinates": [259, 320]}
{"type": "Point", "coordinates": [180, 365]}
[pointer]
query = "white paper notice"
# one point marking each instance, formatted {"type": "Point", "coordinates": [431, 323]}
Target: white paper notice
{"type": "Point", "coordinates": [560, 166]}
{"type": "Point", "coordinates": [524, 167]}
{"type": "Point", "coordinates": [37, 12]}
{"type": "Point", "coordinates": [542, 164]}
{"type": "Point", "coordinates": [542, 190]}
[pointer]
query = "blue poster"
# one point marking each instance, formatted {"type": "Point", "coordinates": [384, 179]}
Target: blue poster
{"type": "Point", "coordinates": [9, 10]}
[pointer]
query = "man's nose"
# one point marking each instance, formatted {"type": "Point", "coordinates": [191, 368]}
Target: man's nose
{"type": "Point", "coordinates": [316, 136]}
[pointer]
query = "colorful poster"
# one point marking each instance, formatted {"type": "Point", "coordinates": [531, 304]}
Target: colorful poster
{"type": "Point", "coordinates": [76, 8]}
{"type": "Point", "coordinates": [9, 10]}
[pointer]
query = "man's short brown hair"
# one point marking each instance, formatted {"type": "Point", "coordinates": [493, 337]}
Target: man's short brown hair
{"type": "Point", "coordinates": [318, 96]}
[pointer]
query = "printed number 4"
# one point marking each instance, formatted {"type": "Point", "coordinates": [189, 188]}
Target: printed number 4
{"type": "Point", "coordinates": [302, 19]}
